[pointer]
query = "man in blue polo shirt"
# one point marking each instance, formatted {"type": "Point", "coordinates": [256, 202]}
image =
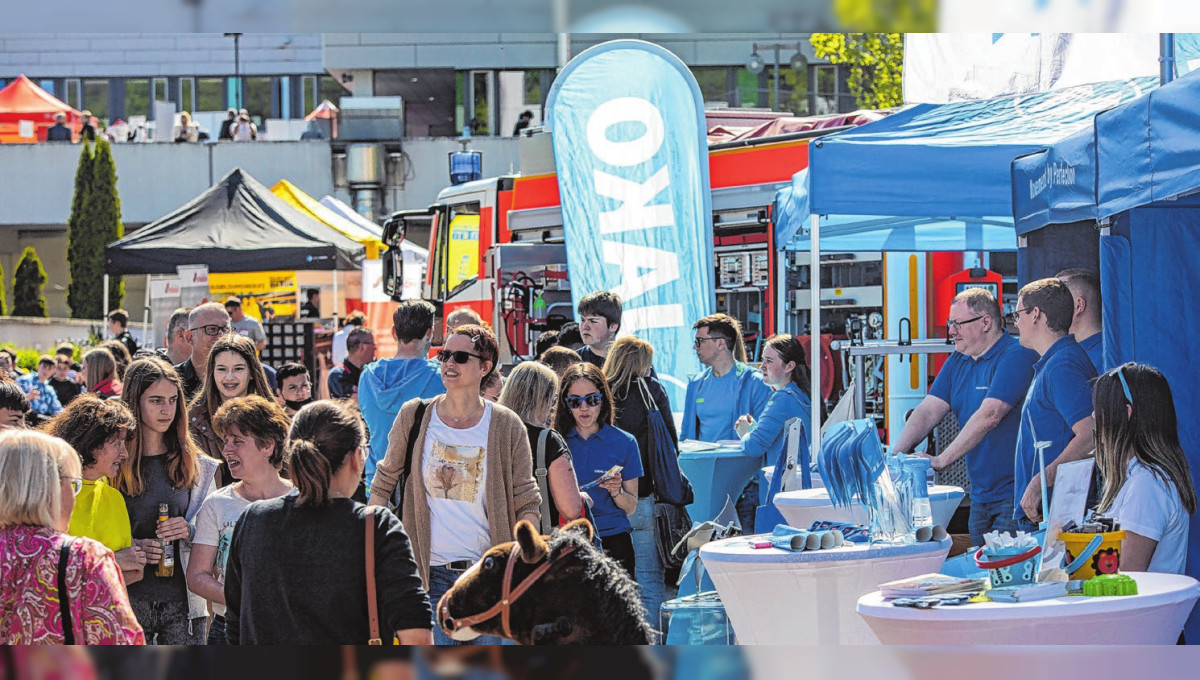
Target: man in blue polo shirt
{"type": "Point", "coordinates": [1058, 408]}
{"type": "Point", "coordinates": [725, 390]}
{"type": "Point", "coordinates": [1086, 324]}
{"type": "Point", "coordinates": [984, 383]}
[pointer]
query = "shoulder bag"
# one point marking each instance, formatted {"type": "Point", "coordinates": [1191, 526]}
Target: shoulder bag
{"type": "Point", "coordinates": [402, 480]}
{"type": "Point", "coordinates": [541, 474]}
{"type": "Point", "coordinates": [64, 596]}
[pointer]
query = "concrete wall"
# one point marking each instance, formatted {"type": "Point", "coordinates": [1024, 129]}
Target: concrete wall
{"type": "Point", "coordinates": [101, 55]}
{"type": "Point", "coordinates": [153, 179]}
{"type": "Point", "coordinates": [528, 50]}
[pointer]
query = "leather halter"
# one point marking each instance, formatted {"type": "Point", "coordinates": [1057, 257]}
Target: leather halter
{"type": "Point", "coordinates": [508, 595]}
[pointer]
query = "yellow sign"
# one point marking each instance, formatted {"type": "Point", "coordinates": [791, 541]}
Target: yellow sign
{"type": "Point", "coordinates": [464, 249]}
{"type": "Point", "coordinates": [277, 289]}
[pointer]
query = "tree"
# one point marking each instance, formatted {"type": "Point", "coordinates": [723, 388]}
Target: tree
{"type": "Point", "coordinates": [28, 281]}
{"type": "Point", "coordinates": [908, 16]}
{"type": "Point", "coordinates": [875, 61]}
{"type": "Point", "coordinates": [104, 210]}
{"type": "Point", "coordinates": [2, 290]}
{"type": "Point", "coordinates": [83, 292]}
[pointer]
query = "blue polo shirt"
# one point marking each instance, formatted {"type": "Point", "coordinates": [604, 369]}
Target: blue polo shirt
{"type": "Point", "coordinates": [1059, 397]}
{"type": "Point", "coordinates": [1093, 346]}
{"type": "Point", "coordinates": [1003, 372]}
{"type": "Point", "coordinates": [593, 457]}
{"type": "Point", "coordinates": [719, 402]}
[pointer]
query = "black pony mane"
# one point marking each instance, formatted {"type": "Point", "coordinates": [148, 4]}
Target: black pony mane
{"type": "Point", "coordinates": [616, 592]}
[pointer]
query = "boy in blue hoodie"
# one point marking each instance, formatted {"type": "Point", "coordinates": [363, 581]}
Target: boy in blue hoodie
{"type": "Point", "coordinates": [386, 384]}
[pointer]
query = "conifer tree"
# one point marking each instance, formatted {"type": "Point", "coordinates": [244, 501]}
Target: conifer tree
{"type": "Point", "coordinates": [84, 290]}
{"type": "Point", "coordinates": [28, 281]}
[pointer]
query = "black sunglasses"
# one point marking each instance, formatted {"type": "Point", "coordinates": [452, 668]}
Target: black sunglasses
{"type": "Point", "coordinates": [575, 403]}
{"type": "Point", "coordinates": [459, 357]}
{"type": "Point", "coordinates": [212, 329]}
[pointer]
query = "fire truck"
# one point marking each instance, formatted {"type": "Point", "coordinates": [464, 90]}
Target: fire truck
{"type": "Point", "coordinates": [496, 246]}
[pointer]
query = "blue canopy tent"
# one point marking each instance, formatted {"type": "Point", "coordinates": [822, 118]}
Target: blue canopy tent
{"type": "Point", "coordinates": [929, 178]}
{"type": "Point", "coordinates": [1145, 177]}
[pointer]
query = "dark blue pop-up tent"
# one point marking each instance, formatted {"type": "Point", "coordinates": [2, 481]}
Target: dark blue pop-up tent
{"type": "Point", "coordinates": [929, 178]}
{"type": "Point", "coordinates": [1144, 177]}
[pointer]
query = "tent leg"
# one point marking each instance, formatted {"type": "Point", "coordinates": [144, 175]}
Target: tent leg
{"type": "Point", "coordinates": [335, 300]}
{"type": "Point", "coordinates": [104, 304]}
{"type": "Point", "coordinates": [146, 331]}
{"type": "Point", "coordinates": [814, 334]}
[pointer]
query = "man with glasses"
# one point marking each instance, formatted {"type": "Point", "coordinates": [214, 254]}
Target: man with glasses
{"type": "Point", "coordinates": [207, 323]}
{"type": "Point", "coordinates": [295, 387]}
{"type": "Point", "coordinates": [984, 383]}
{"type": "Point", "coordinates": [1086, 324]}
{"type": "Point", "coordinates": [726, 389]}
{"type": "Point", "coordinates": [360, 351]}
{"type": "Point", "coordinates": [1058, 409]}
{"type": "Point", "coordinates": [386, 384]}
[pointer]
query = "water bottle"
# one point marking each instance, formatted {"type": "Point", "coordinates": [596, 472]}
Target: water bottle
{"type": "Point", "coordinates": [922, 512]}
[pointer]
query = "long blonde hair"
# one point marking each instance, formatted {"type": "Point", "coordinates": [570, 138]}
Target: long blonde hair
{"type": "Point", "coordinates": [629, 358]}
{"type": "Point", "coordinates": [531, 388]}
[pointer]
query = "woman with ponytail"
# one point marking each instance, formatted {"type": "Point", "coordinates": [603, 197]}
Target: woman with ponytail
{"type": "Point", "coordinates": [296, 571]}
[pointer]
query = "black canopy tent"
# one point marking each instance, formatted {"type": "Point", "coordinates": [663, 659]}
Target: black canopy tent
{"type": "Point", "coordinates": [237, 225]}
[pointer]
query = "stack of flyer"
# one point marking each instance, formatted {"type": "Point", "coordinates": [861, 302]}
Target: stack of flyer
{"type": "Point", "coordinates": [931, 584]}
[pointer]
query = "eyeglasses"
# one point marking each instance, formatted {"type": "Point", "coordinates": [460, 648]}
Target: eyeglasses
{"type": "Point", "coordinates": [702, 338]}
{"type": "Point", "coordinates": [211, 329]}
{"type": "Point", "coordinates": [1124, 385]}
{"type": "Point", "coordinates": [950, 323]}
{"type": "Point", "coordinates": [76, 484]}
{"type": "Point", "coordinates": [1012, 316]}
{"type": "Point", "coordinates": [459, 357]}
{"type": "Point", "coordinates": [575, 403]}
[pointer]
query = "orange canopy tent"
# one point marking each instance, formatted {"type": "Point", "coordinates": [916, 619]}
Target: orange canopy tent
{"type": "Point", "coordinates": [23, 100]}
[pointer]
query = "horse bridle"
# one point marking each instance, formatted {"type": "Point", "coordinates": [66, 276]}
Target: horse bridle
{"type": "Point", "coordinates": [508, 594]}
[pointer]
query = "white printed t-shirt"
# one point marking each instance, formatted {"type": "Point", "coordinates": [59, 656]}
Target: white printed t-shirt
{"type": "Point", "coordinates": [214, 526]}
{"type": "Point", "coordinates": [1150, 507]}
{"type": "Point", "coordinates": [454, 466]}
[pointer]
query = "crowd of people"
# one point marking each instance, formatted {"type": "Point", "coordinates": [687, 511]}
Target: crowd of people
{"type": "Point", "coordinates": [191, 494]}
{"type": "Point", "coordinates": [238, 126]}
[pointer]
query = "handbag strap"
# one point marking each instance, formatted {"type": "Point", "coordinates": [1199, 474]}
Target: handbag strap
{"type": "Point", "coordinates": [542, 481]}
{"type": "Point", "coordinates": [413, 433]}
{"type": "Point", "coordinates": [64, 596]}
{"type": "Point", "coordinates": [372, 602]}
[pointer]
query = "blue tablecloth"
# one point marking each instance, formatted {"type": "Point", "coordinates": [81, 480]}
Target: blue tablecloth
{"type": "Point", "coordinates": [717, 474]}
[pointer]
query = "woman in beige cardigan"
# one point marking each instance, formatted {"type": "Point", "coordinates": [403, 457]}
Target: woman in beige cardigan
{"type": "Point", "coordinates": [471, 477]}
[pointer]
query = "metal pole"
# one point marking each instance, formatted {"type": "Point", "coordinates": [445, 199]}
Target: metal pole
{"type": "Point", "coordinates": [104, 306]}
{"type": "Point", "coordinates": [146, 330]}
{"type": "Point", "coordinates": [1166, 58]}
{"type": "Point", "coordinates": [814, 334]}
{"type": "Point", "coordinates": [237, 68]}
{"type": "Point", "coordinates": [776, 107]}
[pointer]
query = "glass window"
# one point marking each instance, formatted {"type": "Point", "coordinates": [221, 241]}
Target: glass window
{"type": "Point", "coordinates": [481, 92]}
{"type": "Point", "coordinates": [160, 90]}
{"type": "Point", "coordinates": [258, 98]}
{"type": "Point", "coordinates": [137, 97]}
{"type": "Point", "coordinates": [187, 94]}
{"type": "Point", "coordinates": [72, 97]}
{"type": "Point", "coordinates": [714, 85]}
{"type": "Point", "coordinates": [210, 94]}
{"type": "Point", "coordinates": [827, 89]}
{"type": "Point", "coordinates": [47, 85]}
{"type": "Point", "coordinates": [309, 100]}
{"type": "Point", "coordinates": [748, 89]}
{"type": "Point", "coordinates": [95, 97]}
{"type": "Point", "coordinates": [330, 89]}
{"type": "Point", "coordinates": [793, 88]}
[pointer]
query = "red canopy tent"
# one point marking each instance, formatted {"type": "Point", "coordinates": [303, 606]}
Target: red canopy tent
{"type": "Point", "coordinates": [22, 100]}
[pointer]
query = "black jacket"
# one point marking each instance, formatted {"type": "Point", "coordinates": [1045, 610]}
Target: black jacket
{"type": "Point", "coordinates": [58, 133]}
{"type": "Point", "coordinates": [631, 416]}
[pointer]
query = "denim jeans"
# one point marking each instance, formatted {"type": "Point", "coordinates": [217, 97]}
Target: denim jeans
{"type": "Point", "coordinates": [216, 631]}
{"type": "Point", "coordinates": [167, 623]}
{"type": "Point", "coordinates": [649, 571]}
{"type": "Point", "coordinates": [990, 516]}
{"type": "Point", "coordinates": [440, 580]}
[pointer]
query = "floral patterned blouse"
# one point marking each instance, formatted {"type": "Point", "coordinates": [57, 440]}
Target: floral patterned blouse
{"type": "Point", "coordinates": [29, 605]}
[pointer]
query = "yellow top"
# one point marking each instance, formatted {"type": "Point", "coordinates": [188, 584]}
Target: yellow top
{"type": "Point", "coordinates": [100, 514]}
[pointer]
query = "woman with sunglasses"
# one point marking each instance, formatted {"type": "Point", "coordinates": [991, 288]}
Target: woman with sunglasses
{"type": "Point", "coordinates": [585, 418]}
{"type": "Point", "coordinates": [98, 431]}
{"type": "Point", "coordinates": [1147, 481]}
{"type": "Point", "coordinates": [39, 475]}
{"type": "Point", "coordinates": [233, 371]}
{"type": "Point", "coordinates": [471, 477]}
{"type": "Point", "coordinates": [164, 468]}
